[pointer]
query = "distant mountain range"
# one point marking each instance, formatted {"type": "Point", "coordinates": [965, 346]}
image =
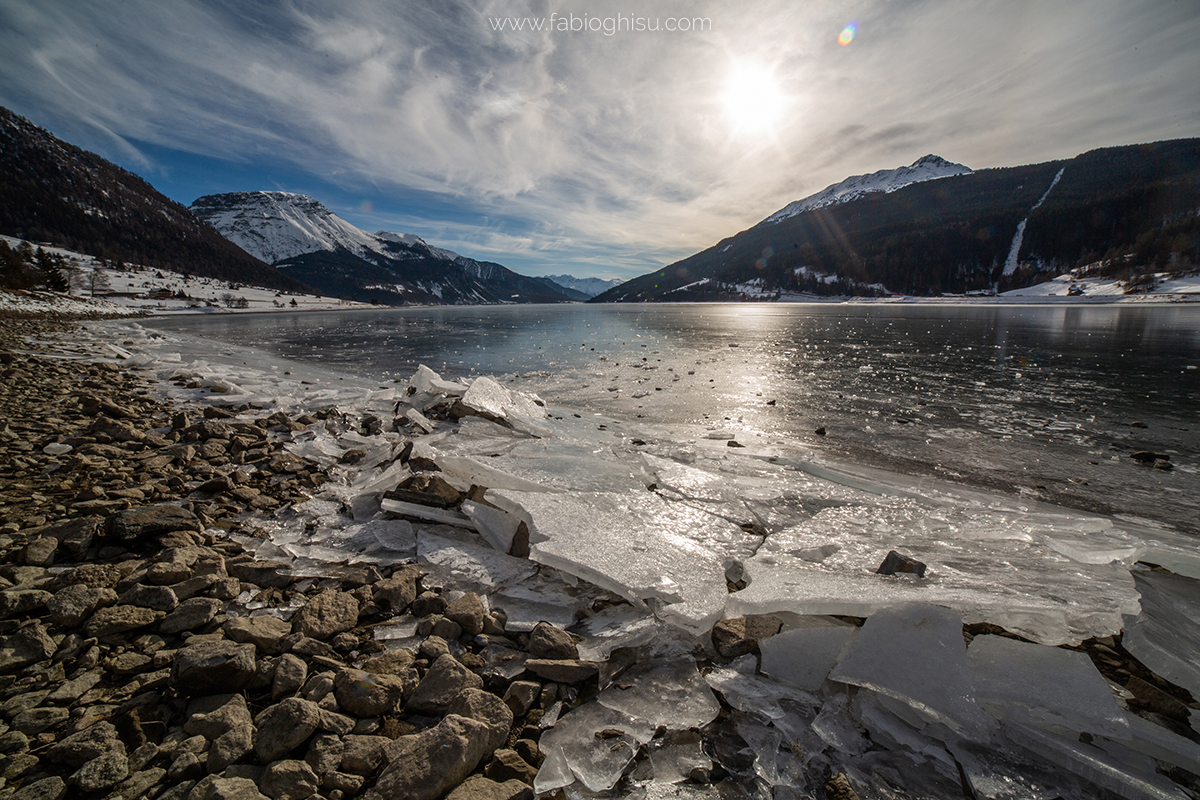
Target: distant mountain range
{"type": "Point", "coordinates": [589, 287]}
{"type": "Point", "coordinates": [937, 227]}
{"type": "Point", "coordinates": [52, 191]}
{"type": "Point", "coordinates": [305, 240]}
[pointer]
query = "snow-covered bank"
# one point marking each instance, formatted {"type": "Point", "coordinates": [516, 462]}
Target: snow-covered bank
{"type": "Point", "coordinates": [671, 526]}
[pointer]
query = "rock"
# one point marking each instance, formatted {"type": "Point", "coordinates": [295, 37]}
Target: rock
{"type": "Point", "coordinates": [446, 629]}
{"type": "Point", "coordinates": [230, 789]}
{"type": "Point", "coordinates": [547, 641]}
{"type": "Point", "coordinates": [507, 765]}
{"type": "Point", "coordinates": [478, 787]}
{"type": "Point", "coordinates": [894, 562]}
{"type": "Point", "coordinates": [230, 711]}
{"type": "Point", "coordinates": [562, 670]}
{"type": "Point", "coordinates": [231, 746]}
{"type": "Point", "coordinates": [28, 645]}
{"type": "Point", "coordinates": [489, 709]}
{"type": "Point", "coordinates": [366, 694]}
{"type": "Point", "coordinates": [138, 523]}
{"type": "Point", "coordinates": [290, 674]}
{"type": "Point", "coordinates": [838, 788]}
{"type": "Point", "coordinates": [329, 613]}
{"type": "Point", "coordinates": [212, 667]}
{"type": "Point", "coordinates": [69, 607]}
{"type": "Point", "coordinates": [520, 696]}
{"type": "Point", "coordinates": [424, 766]}
{"type": "Point", "coordinates": [1149, 456]}
{"type": "Point", "coordinates": [740, 635]}
{"type": "Point", "coordinates": [325, 754]}
{"type": "Point", "coordinates": [427, 603]}
{"type": "Point", "coordinates": [40, 551]}
{"type": "Point", "coordinates": [284, 727]}
{"type": "Point", "coordinates": [89, 743]}
{"type": "Point", "coordinates": [36, 720]}
{"type": "Point", "coordinates": [468, 612]}
{"type": "Point", "coordinates": [276, 574]}
{"type": "Point", "coordinates": [139, 783]}
{"type": "Point", "coordinates": [264, 632]}
{"type": "Point", "coordinates": [362, 755]}
{"type": "Point", "coordinates": [289, 780]}
{"type": "Point", "coordinates": [398, 591]}
{"type": "Point", "coordinates": [52, 788]}
{"type": "Point", "coordinates": [445, 680]}
{"type": "Point", "coordinates": [1164, 465]}
{"type": "Point", "coordinates": [191, 614]}
{"type": "Point", "coordinates": [128, 663]}
{"type": "Point", "coordinates": [820, 431]}
{"type": "Point", "coordinates": [120, 619]}
{"type": "Point", "coordinates": [74, 536]}
{"type": "Point", "coordinates": [97, 576]}
{"type": "Point", "coordinates": [13, 742]}
{"type": "Point", "coordinates": [1151, 698]}
{"type": "Point", "coordinates": [393, 662]}
{"type": "Point", "coordinates": [158, 598]}
{"type": "Point", "coordinates": [22, 601]}
{"type": "Point", "coordinates": [102, 772]}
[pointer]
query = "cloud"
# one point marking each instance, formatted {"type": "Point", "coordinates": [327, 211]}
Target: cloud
{"type": "Point", "coordinates": [611, 153]}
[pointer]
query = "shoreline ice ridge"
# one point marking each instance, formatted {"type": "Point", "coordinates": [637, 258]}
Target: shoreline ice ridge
{"type": "Point", "coordinates": [603, 515]}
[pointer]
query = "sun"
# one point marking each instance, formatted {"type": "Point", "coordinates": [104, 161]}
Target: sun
{"type": "Point", "coordinates": [753, 99]}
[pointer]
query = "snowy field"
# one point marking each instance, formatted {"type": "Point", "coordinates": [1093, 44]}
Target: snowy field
{"type": "Point", "coordinates": [664, 527]}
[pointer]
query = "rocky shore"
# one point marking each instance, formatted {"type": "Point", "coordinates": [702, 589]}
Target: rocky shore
{"type": "Point", "coordinates": [146, 651]}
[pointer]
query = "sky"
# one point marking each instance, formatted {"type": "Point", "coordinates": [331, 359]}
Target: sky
{"type": "Point", "coordinates": [649, 132]}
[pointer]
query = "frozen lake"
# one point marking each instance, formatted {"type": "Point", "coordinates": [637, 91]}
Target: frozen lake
{"type": "Point", "coordinates": [1044, 402]}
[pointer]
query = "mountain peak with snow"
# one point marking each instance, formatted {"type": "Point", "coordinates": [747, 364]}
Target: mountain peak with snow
{"type": "Point", "coordinates": [925, 168]}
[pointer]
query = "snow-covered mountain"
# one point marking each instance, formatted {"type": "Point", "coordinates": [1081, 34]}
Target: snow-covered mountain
{"type": "Point", "coordinates": [301, 237]}
{"type": "Point", "coordinates": [589, 286]}
{"type": "Point", "coordinates": [926, 168]}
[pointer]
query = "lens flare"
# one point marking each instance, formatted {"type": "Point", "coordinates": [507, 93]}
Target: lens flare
{"type": "Point", "coordinates": [847, 34]}
{"type": "Point", "coordinates": [366, 206]}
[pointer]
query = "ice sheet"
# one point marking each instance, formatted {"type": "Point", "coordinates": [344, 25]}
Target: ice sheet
{"type": "Point", "coordinates": [667, 694]}
{"type": "Point", "coordinates": [596, 761]}
{"type": "Point", "coordinates": [803, 657]}
{"type": "Point", "coordinates": [915, 653]}
{"type": "Point", "coordinates": [1165, 636]}
{"type": "Point", "coordinates": [476, 565]}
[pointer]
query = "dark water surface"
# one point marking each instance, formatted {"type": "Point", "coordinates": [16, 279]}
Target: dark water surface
{"type": "Point", "coordinates": [1048, 401]}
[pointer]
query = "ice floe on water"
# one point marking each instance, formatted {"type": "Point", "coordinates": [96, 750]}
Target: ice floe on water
{"type": "Point", "coordinates": [640, 544]}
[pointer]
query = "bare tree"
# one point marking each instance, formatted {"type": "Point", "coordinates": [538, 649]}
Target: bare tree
{"type": "Point", "coordinates": [98, 282]}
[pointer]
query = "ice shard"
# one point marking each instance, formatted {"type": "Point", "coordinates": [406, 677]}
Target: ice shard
{"type": "Point", "coordinates": [670, 695]}
{"type": "Point", "coordinates": [1164, 636]}
{"type": "Point", "coordinates": [804, 656]}
{"type": "Point", "coordinates": [595, 743]}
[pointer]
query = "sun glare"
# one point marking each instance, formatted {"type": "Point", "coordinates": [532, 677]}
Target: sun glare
{"type": "Point", "coordinates": [752, 98]}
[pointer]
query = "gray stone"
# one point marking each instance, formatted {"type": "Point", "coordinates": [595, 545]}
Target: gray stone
{"type": "Point", "coordinates": [327, 614]}
{"type": "Point", "coordinates": [520, 696]}
{"type": "Point", "coordinates": [137, 523]}
{"type": "Point", "coordinates": [98, 576]}
{"type": "Point", "coordinates": [562, 670]}
{"type": "Point", "coordinates": [362, 755]}
{"type": "Point", "coordinates": [211, 667]}
{"type": "Point", "coordinates": [71, 606]}
{"type": "Point", "coordinates": [158, 598]}
{"type": "Point", "coordinates": [264, 632]}
{"type": "Point", "coordinates": [398, 591]}
{"type": "Point", "coordinates": [489, 709]}
{"type": "Point", "coordinates": [446, 629]}
{"type": "Point", "coordinates": [129, 663]}
{"type": "Point", "coordinates": [507, 765]}
{"type": "Point", "coordinates": [478, 787]}
{"type": "Point", "coordinates": [739, 635]}
{"type": "Point", "coordinates": [139, 783]}
{"type": "Point", "coordinates": [290, 674]}
{"type": "Point", "coordinates": [72, 690]}
{"type": "Point", "coordinates": [13, 742]}
{"type": "Point", "coordinates": [289, 780]}
{"type": "Point", "coordinates": [547, 641]}
{"type": "Point", "coordinates": [102, 772]}
{"type": "Point", "coordinates": [74, 536]}
{"type": "Point", "coordinates": [185, 767]}
{"type": "Point", "coordinates": [40, 551]}
{"type": "Point", "coordinates": [120, 619]}
{"type": "Point", "coordinates": [434, 647]}
{"type": "Point", "coordinates": [191, 614]}
{"type": "Point", "coordinates": [231, 712]}
{"type": "Point", "coordinates": [367, 694]}
{"type": "Point", "coordinates": [426, 765]}
{"type": "Point", "coordinates": [261, 573]}
{"type": "Point", "coordinates": [348, 785]}
{"type": "Point", "coordinates": [325, 754]}
{"type": "Point", "coordinates": [89, 743]}
{"type": "Point", "coordinates": [53, 788]}
{"type": "Point", "coordinates": [165, 573]}
{"type": "Point", "coordinates": [28, 645]}
{"type": "Point", "coordinates": [468, 612]}
{"type": "Point", "coordinates": [334, 722]}
{"type": "Point", "coordinates": [445, 681]}
{"type": "Point", "coordinates": [231, 789]}
{"type": "Point", "coordinates": [36, 720]}
{"type": "Point", "coordinates": [284, 727]}
{"type": "Point", "coordinates": [231, 746]}
{"type": "Point", "coordinates": [393, 662]}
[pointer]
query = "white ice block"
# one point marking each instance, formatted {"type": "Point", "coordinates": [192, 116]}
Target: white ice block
{"type": "Point", "coordinates": [635, 545]}
{"type": "Point", "coordinates": [1058, 689]}
{"type": "Point", "coordinates": [444, 515]}
{"type": "Point", "coordinates": [420, 420]}
{"type": "Point", "coordinates": [478, 565]}
{"type": "Point", "coordinates": [426, 381]}
{"type": "Point", "coordinates": [663, 694]}
{"type": "Point", "coordinates": [757, 694]}
{"type": "Point", "coordinates": [915, 653]}
{"type": "Point", "coordinates": [596, 761]}
{"type": "Point", "coordinates": [674, 761]}
{"type": "Point", "coordinates": [803, 657]}
{"type": "Point", "coordinates": [1165, 636]}
{"type": "Point", "coordinates": [496, 526]}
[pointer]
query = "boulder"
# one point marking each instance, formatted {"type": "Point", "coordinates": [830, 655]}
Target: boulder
{"type": "Point", "coordinates": [138, 523]}
{"type": "Point", "coordinates": [547, 641]}
{"type": "Point", "coordinates": [468, 612]}
{"type": "Point", "coordinates": [120, 619]}
{"type": "Point", "coordinates": [489, 709]}
{"type": "Point", "coordinates": [442, 684]}
{"type": "Point", "coordinates": [562, 670]}
{"type": "Point", "coordinates": [264, 632]}
{"type": "Point", "coordinates": [290, 674]}
{"type": "Point", "coordinates": [28, 645]}
{"type": "Point", "coordinates": [285, 726]}
{"type": "Point", "coordinates": [191, 614]}
{"type": "Point", "coordinates": [478, 787]}
{"type": "Point", "coordinates": [367, 694]}
{"type": "Point", "coordinates": [69, 607]}
{"type": "Point", "coordinates": [289, 780]}
{"type": "Point", "coordinates": [426, 765]}
{"type": "Point", "coordinates": [327, 614]}
{"type": "Point", "coordinates": [362, 755]}
{"type": "Point", "coordinates": [740, 635]}
{"type": "Point", "coordinates": [212, 667]}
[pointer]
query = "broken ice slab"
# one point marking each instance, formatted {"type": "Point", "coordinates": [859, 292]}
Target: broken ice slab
{"type": "Point", "coordinates": [1165, 636]}
{"type": "Point", "coordinates": [1161, 744]}
{"type": "Point", "coordinates": [1058, 689]}
{"type": "Point", "coordinates": [466, 471]}
{"type": "Point", "coordinates": [992, 566]}
{"type": "Point", "coordinates": [540, 599]}
{"type": "Point", "coordinates": [915, 653]}
{"type": "Point", "coordinates": [803, 657]}
{"type": "Point", "coordinates": [572, 466]}
{"type": "Point", "coordinates": [664, 694]}
{"type": "Point", "coordinates": [444, 515]}
{"type": "Point", "coordinates": [616, 626]}
{"type": "Point", "coordinates": [426, 381]}
{"type": "Point", "coordinates": [1094, 764]}
{"type": "Point", "coordinates": [838, 728]}
{"type": "Point", "coordinates": [999, 773]}
{"type": "Point", "coordinates": [498, 527]}
{"type": "Point", "coordinates": [757, 694]}
{"type": "Point", "coordinates": [636, 545]}
{"type": "Point", "coordinates": [595, 743]}
{"type": "Point", "coordinates": [488, 397]}
{"type": "Point", "coordinates": [698, 484]}
{"type": "Point", "coordinates": [894, 733]}
{"type": "Point", "coordinates": [679, 754]}
{"type": "Point", "coordinates": [764, 742]}
{"type": "Point", "coordinates": [420, 420]}
{"type": "Point", "coordinates": [477, 565]}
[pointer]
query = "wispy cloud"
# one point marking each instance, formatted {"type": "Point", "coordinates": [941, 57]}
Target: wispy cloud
{"type": "Point", "coordinates": [613, 153]}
